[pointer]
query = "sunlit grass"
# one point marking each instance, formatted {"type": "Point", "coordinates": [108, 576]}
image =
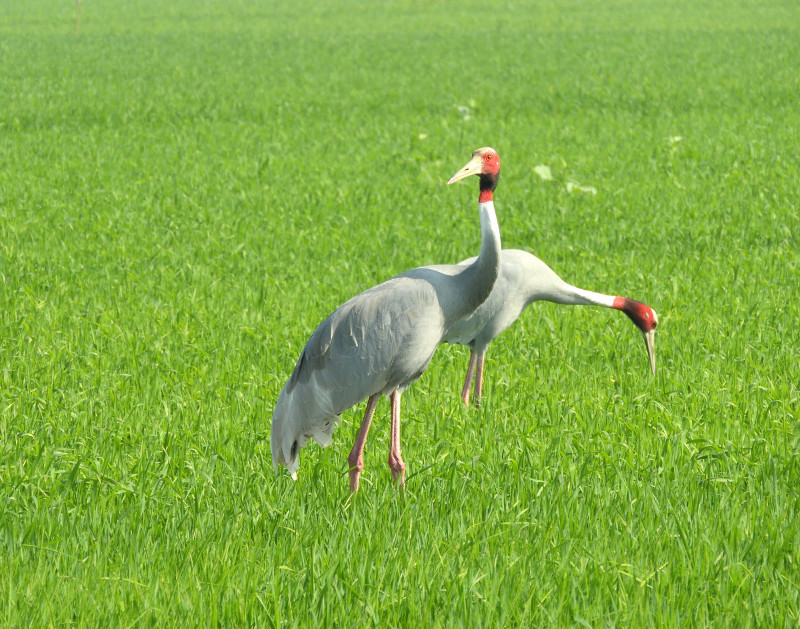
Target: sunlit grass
{"type": "Point", "coordinates": [187, 189]}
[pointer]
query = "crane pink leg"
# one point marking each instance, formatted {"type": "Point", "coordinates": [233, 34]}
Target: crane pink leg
{"type": "Point", "coordinates": [395, 460]}
{"type": "Point", "coordinates": [479, 378]}
{"type": "Point", "coordinates": [470, 372]}
{"type": "Point", "coordinates": [356, 458]}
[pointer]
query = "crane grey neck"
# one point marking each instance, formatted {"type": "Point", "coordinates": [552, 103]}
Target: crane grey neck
{"type": "Point", "coordinates": [477, 280]}
{"type": "Point", "coordinates": [558, 291]}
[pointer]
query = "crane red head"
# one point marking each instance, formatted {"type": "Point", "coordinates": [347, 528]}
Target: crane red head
{"type": "Point", "coordinates": [486, 164]}
{"type": "Point", "coordinates": [644, 318]}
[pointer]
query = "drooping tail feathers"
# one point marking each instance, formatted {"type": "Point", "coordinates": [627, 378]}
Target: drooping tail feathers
{"type": "Point", "coordinates": [288, 434]}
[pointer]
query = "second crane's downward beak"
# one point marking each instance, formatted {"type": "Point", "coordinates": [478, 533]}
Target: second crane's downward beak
{"type": "Point", "coordinates": [472, 167]}
{"type": "Point", "coordinates": [650, 344]}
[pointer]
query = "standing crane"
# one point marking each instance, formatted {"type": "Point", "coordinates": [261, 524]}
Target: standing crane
{"type": "Point", "coordinates": [524, 279]}
{"type": "Point", "coordinates": [382, 340]}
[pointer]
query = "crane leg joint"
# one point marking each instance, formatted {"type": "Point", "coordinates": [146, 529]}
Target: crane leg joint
{"type": "Point", "coordinates": [398, 468]}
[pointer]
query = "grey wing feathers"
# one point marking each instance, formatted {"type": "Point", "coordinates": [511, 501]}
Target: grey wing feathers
{"type": "Point", "coordinates": [379, 341]}
{"type": "Point", "coordinates": [359, 340]}
{"type": "Point", "coordinates": [348, 357]}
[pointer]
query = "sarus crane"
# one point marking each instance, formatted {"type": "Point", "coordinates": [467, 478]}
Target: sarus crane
{"type": "Point", "coordinates": [382, 340]}
{"type": "Point", "coordinates": [524, 279]}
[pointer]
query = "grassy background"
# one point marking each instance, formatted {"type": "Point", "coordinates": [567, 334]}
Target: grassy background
{"type": "Point", "coordinates": [188, 188]}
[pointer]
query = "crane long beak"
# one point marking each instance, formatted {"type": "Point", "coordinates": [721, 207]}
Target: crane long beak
{"type": "Point", "coordinates": [650, 344]}
{"type": "Point", "coordinates": [472, 167]}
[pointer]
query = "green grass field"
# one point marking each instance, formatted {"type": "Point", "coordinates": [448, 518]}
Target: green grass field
{"type": "Point", "coordinates": [188, 188]}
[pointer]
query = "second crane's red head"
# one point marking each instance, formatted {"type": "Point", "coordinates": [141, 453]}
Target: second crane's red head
{"type": "Point", "coordinates": [645, 318]}
{"type": "Point", "coordinates": [486, 164]}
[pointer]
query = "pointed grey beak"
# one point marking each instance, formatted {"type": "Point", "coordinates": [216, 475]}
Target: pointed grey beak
{"type": "Point", "coordinates": [472, 167]}
{"type": "Point", "coordinates": [650, 344]}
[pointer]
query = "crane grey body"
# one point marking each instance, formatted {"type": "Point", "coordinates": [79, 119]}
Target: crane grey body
{"type": "Point", "coordinates": [381, 341]}
{"type": "Point", "coordinates": [524, 279]}
{"type": "Point", "coordinates": [378, 342]}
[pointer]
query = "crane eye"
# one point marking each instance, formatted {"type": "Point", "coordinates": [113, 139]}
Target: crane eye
{"type": "Point", "coordinates": [488, 157]}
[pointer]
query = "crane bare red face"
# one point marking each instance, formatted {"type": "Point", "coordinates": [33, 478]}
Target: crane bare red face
{"type": "Point", "coordinates": [491, 163]}
{"type": "Point", "coordinates": [644, 318]}
{"type": "Point", "coordinates": [486, 164]}
{"type": "Point", "coordinates": [642, 315]}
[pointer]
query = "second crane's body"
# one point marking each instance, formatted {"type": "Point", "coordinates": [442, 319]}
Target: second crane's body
{"type": "Point", "coordinates": [524, 279]}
